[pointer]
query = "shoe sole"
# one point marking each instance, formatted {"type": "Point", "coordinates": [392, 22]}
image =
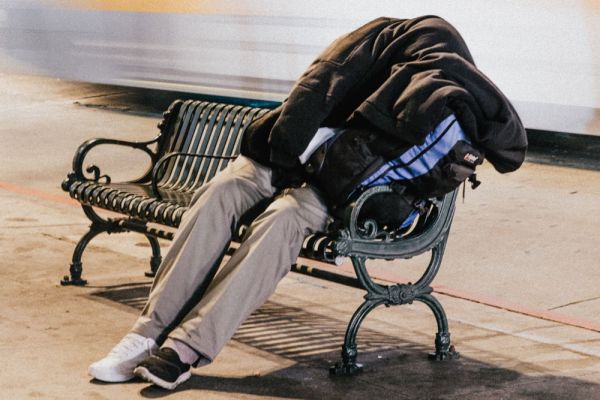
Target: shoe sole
{"type": "Point", "coordinates": [148, 376]}
{"type": "Point", "coordinates": [110, 377]}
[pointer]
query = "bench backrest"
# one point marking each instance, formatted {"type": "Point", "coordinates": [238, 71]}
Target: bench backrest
{"type": "Point", "coordinates": [200, 127]}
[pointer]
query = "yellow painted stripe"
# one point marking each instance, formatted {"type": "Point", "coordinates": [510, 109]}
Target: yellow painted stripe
{"type": "Point", "coordinates": [160, 6]}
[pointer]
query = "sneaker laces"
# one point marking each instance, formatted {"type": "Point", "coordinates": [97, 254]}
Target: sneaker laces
{"type": "Point", "coordinates": [130, 344]}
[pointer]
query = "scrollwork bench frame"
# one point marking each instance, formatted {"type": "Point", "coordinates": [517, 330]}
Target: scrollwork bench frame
{"type": "Point", "coordinates": [199, 138]}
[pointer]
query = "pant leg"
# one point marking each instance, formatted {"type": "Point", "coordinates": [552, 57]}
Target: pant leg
{"type": "Point", "coordinates": [202, 238]}
{"type": "Point", "coordinates": [248, 279]}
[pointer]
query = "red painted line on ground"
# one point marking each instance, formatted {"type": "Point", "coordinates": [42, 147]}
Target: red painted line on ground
{"type": "Point", "coordinates": [384, 275]}
{"type": "Point", "coordinates": [380, 274]}
{"type": "Point", "coordinates": [66, 200]}
{"type": "Point", "coordinates": [25, 191]}
{"type": "Point", "coordinates": [518, 308]}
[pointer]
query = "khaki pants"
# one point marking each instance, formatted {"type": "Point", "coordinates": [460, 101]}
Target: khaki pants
{"type": "Point", "coordinates": [269, 247]}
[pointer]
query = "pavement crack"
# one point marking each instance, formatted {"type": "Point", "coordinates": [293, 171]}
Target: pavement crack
{"type": "Point", "coordinates": [40, 226]}
{"type": "Point", "coordinates": [57, 237]}
{"type": "Point", "coordinates": [575, 302]}
{"type": "Point", "coordinates": [109, 107]}
{"type": "Point", "coordinates": [102, 95]}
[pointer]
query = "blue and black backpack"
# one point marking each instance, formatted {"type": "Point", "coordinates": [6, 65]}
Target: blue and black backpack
{"type": "Point", "coordinates": [348, 166]}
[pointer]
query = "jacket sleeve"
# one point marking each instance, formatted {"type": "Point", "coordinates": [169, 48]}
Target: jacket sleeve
{"type": "Point", "coordinates": [328, 79]}
{"type": "Point", "coordinates": [486, 115]}
{"type": "Point", "coordinates": [255, 138]}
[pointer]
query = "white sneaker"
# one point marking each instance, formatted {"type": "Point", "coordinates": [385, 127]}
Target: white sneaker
{"type": "Point", "coordinates": [118, 365]}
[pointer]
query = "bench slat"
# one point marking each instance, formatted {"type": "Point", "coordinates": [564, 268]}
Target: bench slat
{"type": "Point", "coordinates": [187, 180]}
{"type": "Point", "coordinates": [187, 127]}
{"type": "Point", "coordinates": [199, 127]}
{"type": "Point", "coordinates": [204, 128]}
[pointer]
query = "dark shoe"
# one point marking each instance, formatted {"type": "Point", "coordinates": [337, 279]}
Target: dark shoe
{"type": "Point", "coordinates": [164, 369]}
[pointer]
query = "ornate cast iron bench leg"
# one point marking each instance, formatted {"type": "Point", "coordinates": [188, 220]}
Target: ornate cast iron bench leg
{"type": "Point", "coordinates": [395, 295]}
{"type": "Point", "coordinates": [156, 258]}
{"type": "Point", "coordinates": [348, 366]}
{"type": "Point", "coordinates": [76, 268]}
{"type": "Point", "coordinates": [443, 349]}
{"type": "Point", "coordinates": [98, 226]}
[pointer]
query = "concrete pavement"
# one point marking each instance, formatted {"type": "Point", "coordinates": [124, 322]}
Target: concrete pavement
{"type": "Point", "coordinates": [528, 239]}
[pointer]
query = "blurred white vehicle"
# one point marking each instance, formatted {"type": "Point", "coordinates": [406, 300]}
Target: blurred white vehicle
{"type": "Point", "coordinates": [545, 55]}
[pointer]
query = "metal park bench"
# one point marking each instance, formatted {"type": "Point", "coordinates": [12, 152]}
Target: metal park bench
{"type": "Point", "coordinates": [199, 138]}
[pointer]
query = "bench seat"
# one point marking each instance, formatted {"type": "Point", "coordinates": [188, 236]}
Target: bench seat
{"type": "Point", "coordinates": [135, 200]}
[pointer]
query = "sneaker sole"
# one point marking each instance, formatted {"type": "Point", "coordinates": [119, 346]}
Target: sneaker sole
{"type": "Point", "coordinates": [111, 377]}
{"type": "Point", "coordinates": [148, 376]}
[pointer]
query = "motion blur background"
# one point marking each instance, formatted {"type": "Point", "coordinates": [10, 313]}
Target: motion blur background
{"type": "Point", "coordinates": [544, 54]}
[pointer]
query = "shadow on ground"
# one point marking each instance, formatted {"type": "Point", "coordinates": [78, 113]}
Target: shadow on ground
{"type": "Point", "coordinates": [393, 367]}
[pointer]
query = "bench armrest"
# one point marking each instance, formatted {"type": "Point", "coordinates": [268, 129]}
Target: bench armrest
{"type": "Point", "coordinates": [369, 240]}
{"type": "Point", "coordinates": [159, 167]}
{"type": "Point", "coordinates": [78, 173]}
